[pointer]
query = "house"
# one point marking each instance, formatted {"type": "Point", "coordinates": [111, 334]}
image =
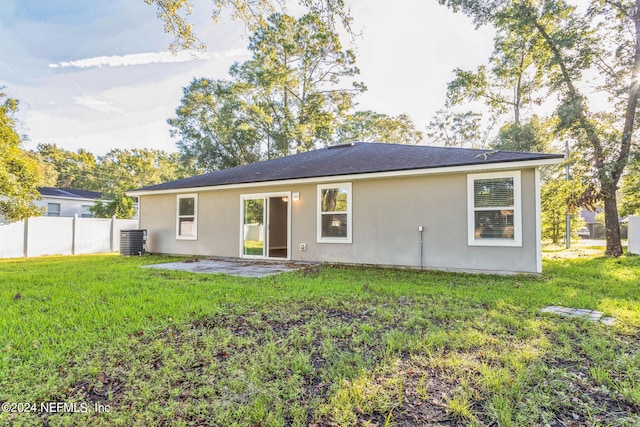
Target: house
{"type": "Point", "coordinates": [595, 229]}
{"type": "Point", "coordinates": [66, 202]}
{"type": "Point", "coordinates": [591, 224]}
{"type": "Point", "coordinates": [367, 203]}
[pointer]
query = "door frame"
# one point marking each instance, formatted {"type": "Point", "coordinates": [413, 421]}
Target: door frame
{"type": "Point", "coordinates": [265, 197]}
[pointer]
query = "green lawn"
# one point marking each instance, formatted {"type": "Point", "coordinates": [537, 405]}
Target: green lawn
{"type": "Point", "coordinates": [323, 346]}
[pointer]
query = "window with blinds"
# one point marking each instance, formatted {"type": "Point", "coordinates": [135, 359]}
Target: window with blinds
{"type": "Point", "coordinates": [494, 209]}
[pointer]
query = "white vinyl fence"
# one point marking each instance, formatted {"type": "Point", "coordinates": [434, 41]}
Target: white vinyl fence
{"type": "Point", "coordinates": [634, 235]}
{"type": "Point", "coordinates": [62, 236]}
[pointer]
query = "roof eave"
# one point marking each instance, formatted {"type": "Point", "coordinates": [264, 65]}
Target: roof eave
{"type": "Point", "coordinates": [508, 165]}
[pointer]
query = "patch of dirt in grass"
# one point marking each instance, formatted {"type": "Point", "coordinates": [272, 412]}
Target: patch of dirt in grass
{"type": "Point", "coordinates": [579, 398]}
{"type": "Point", "coordinates": [427, 408]}
{"type": "Point", "coordinates": [417, 406]}
{"type": "Point", "coordinates": [260, 322]}
{"type": "Point", "coordinates": [420, 400]}
{"type": "Point", "coordinates": [105, 390]}
{"type": "Point", "coordinates": [583, 393]}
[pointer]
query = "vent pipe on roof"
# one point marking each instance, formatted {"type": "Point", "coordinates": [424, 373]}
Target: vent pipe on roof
{"type": "Point", "coordinates": [350, 144]}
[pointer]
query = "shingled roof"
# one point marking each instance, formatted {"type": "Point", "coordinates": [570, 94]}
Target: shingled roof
{"type": "Point", "coordinates": [68, 193]}
{"type": "Point", "coordinates": [350, 159]}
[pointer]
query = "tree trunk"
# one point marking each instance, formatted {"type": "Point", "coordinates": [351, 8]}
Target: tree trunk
{"type": "Point", "coordinates": [612, 225]}
{"type": "Point", "coordinates": [608, 180]}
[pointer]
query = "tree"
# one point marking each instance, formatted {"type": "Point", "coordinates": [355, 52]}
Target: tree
{"type": "Point", "coordinates": [369, 126]}
{"type": "Point", "coordinates": [503, 89]}
{"type": "Point", "coordinates": [213, 126]}
{"type": "Point", "coordinates": [175, 14]}
{"type": "Point", "coordinates": [293, 82]}
{"type": "Point", "coordinates": [118, 171]}
{"type": "Point", "coordinates": [508, 85]}
{"type": "Point", "coordinates": [47, 172]}
{"type": "Point", "coordinates": [116, 204]}
{"type": "Point", "coordinates": [536, 135]}
{"type": "Point", "coordinates": [286, 98]}
{"type": "Point", "coordinates": [457, 129]}
{"type": "Point", "coordinates": [630, 190]}
{"type": "Point", "coordinates": [568, 43]}
{"type": "Point", "coordinates": [19, 176]}
{"type": "Point", "coordinates": [76, 170]}
{"type": "Point", "coordinates": [121, 170]}
{"type": "Point", "coordinates": [559, 198]}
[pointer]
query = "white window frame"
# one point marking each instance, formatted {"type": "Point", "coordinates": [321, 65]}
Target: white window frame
{"type": "Point", "coordinates": [49, 211]}
{"type": "Point", "coordinates": [349, 212]}
{"type": "Point", "coordinates": [179, 197]}
{"type": "Point", "coordinates": [86, 214]}
{"type": "Point", "coordinates": [517, 209]}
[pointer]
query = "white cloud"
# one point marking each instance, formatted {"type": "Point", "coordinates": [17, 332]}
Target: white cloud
{"type": "Point", "coordinates": [146, 58]}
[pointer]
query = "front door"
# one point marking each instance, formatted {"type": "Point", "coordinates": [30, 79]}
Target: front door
{"type": "Point", "coordinates": [265, 226]}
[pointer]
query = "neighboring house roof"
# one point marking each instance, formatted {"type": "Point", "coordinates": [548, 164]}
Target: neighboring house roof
{"type": "Point", "coordinates": [68, 193]}
{"type": "Point", "coordinates": [590, 216]}
{"type": "Point", "coordinates": [350, 159]}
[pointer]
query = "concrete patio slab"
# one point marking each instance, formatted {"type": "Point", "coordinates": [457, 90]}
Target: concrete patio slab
{"type": "Point", "coordinates": [594, 316]}
{"type": "Point", "coordinates": [232, 266]}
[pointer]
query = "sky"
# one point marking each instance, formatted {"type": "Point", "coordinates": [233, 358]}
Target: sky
{"type": "Point", "coordinates": [98, 75]}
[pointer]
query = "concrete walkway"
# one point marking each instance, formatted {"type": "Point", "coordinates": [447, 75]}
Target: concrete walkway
{"type": "Point", "coordinates": [594, 316]}
{"type": "Point", "coordinates": [232, 266]}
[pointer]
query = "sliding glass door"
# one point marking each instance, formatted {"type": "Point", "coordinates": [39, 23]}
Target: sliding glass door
{"type": "Point", "coordinates": [253, 227]}
{"type": "Point", "coordinates": [265, 225]}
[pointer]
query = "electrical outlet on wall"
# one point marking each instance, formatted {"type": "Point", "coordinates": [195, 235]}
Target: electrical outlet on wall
{"type": "Point", "coordinates": [303, 246]}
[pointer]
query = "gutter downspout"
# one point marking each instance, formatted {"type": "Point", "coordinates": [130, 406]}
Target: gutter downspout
{"type": "Point", "coordinates": [421, 229]}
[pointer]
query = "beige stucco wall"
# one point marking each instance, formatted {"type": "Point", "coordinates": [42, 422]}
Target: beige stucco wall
{"type": "Point", "coordinates": [386, 215]}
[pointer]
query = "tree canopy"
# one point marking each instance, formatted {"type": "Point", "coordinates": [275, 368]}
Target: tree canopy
{"type": "Point", "coordinates": [295, 81]}
{"type": "Point", "coordinates": [19, 172]}
{"type": "Point", "coordinates": [457, 129]}
{"type": "Point", "coordinates": [76, 170]}
{"type": "Point", "coordinates": [630, 189]}
{"type": "Point", "coordinates": [561, 44]}
{"type": "Point", "coordinates": [213, 126]}
{"type": "Point", "coordinates": [294, 94]}
{"type": "Point", "coordinates": [175, 15]}
{"type": "Point", "coordinates": [369, 126]}
{"type": "Point", "coordinates": [114, 173]}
